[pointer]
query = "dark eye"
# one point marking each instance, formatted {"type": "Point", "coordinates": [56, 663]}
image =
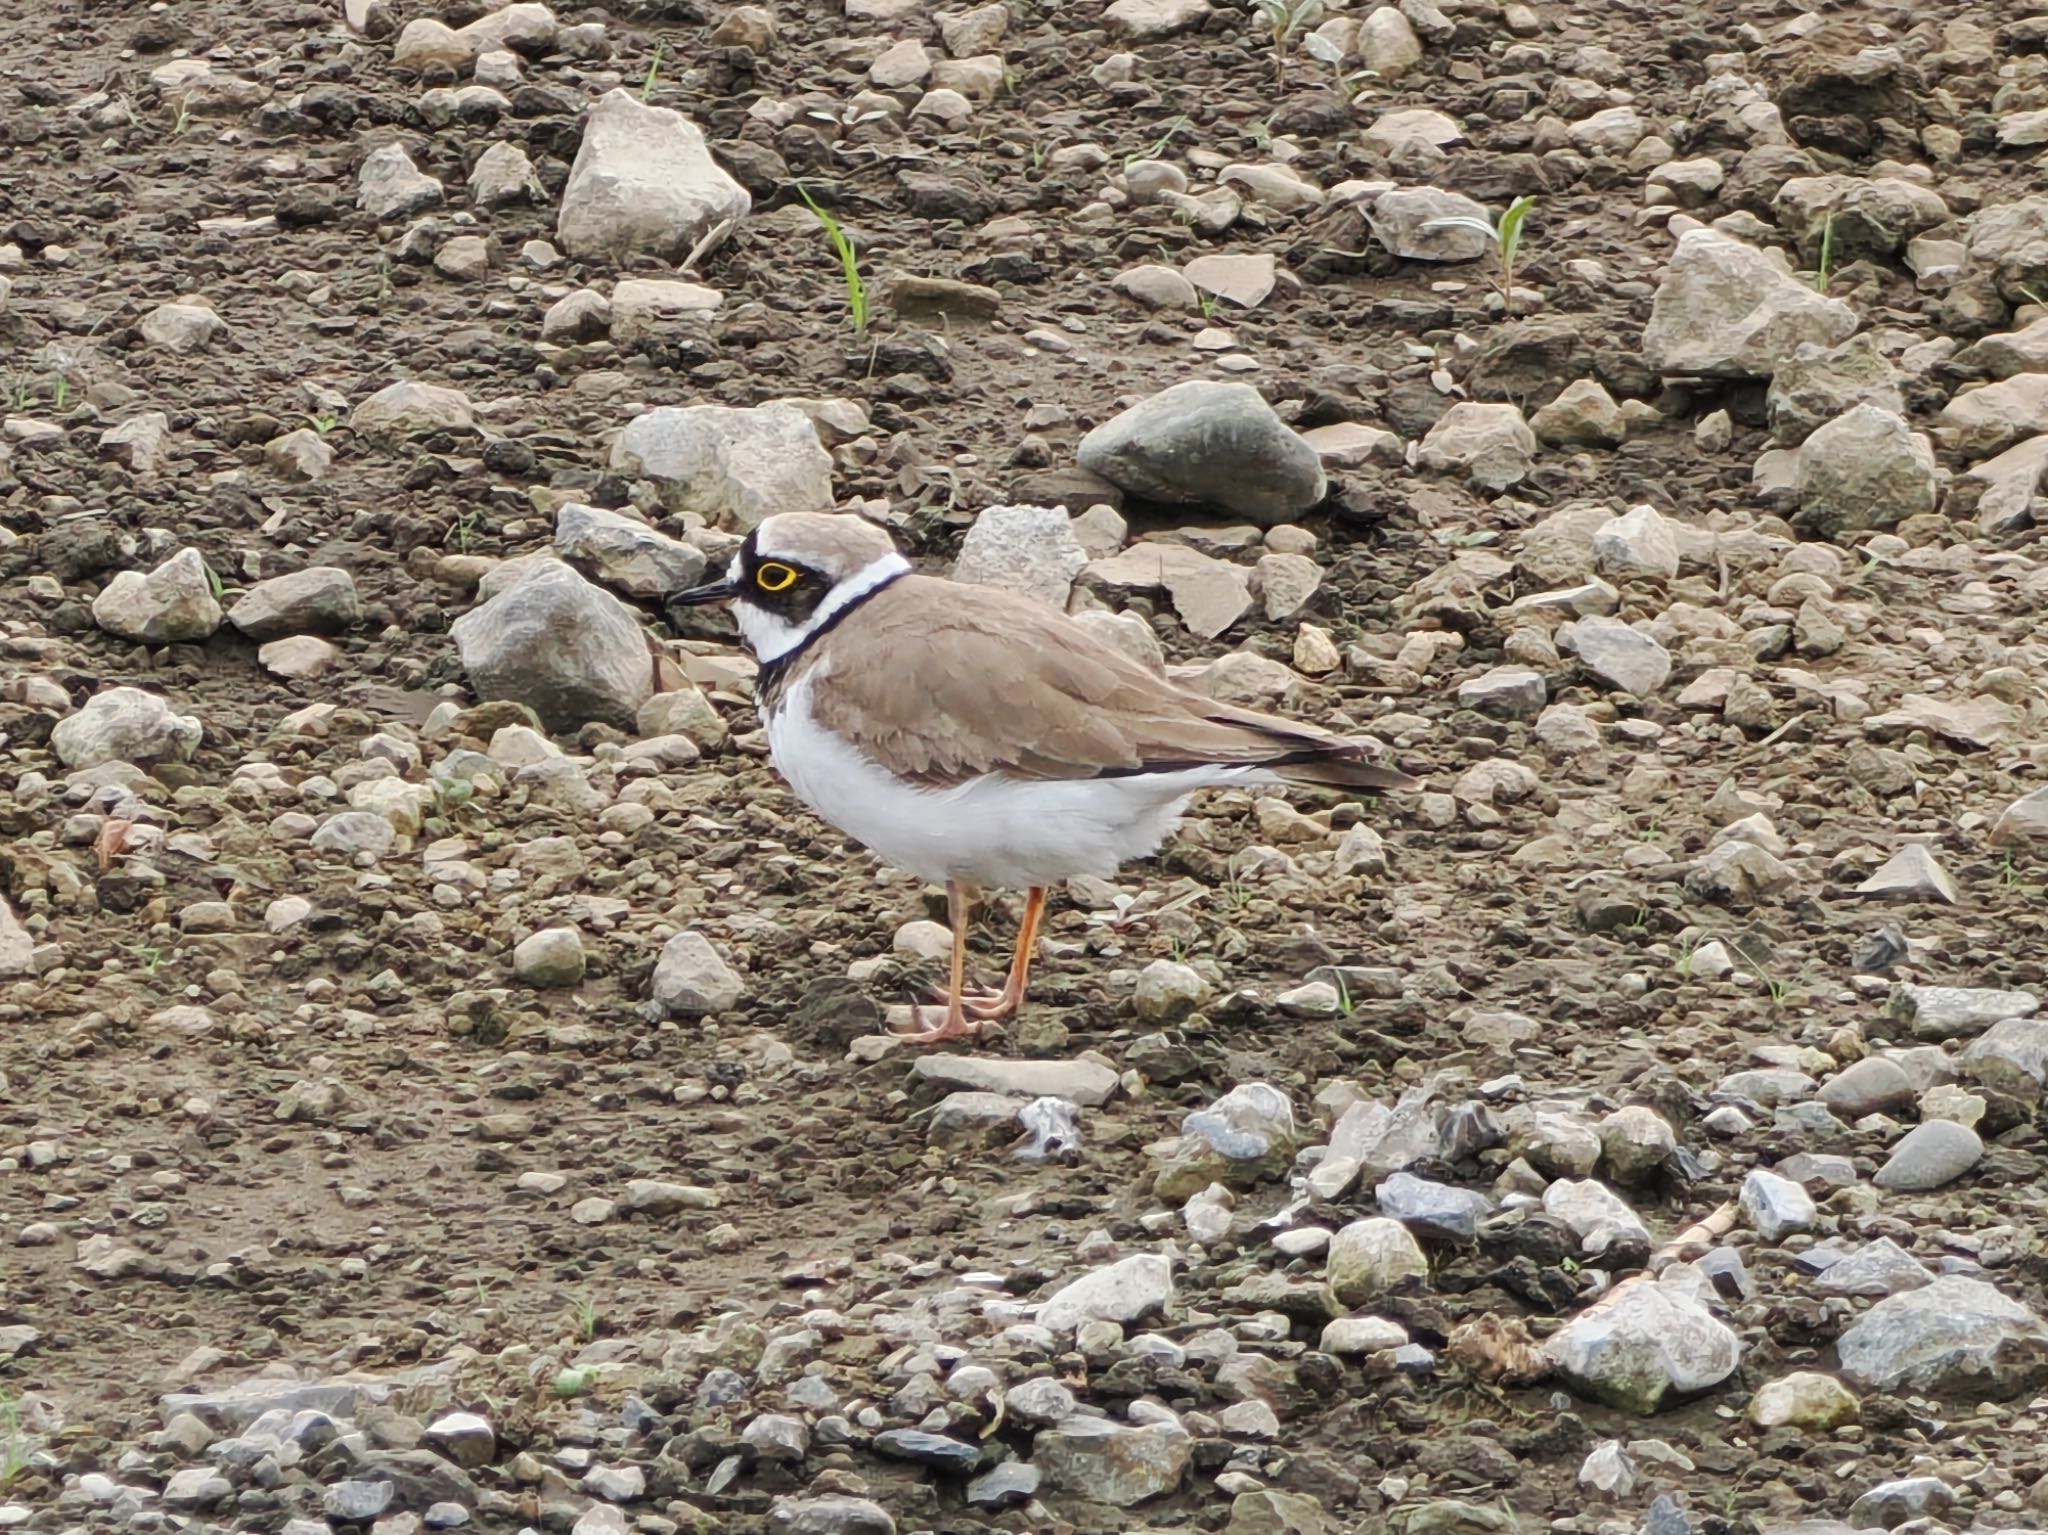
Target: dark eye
{"type": "Point", "coordinates": [776, 578]}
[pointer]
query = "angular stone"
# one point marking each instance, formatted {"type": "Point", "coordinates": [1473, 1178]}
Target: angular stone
{"type": "Point", "coordinates": [1954, 1334]}
{"type": "Point", "coordinates": [1027, 549]}
{"type": "Point", "coordinates": [321, 599]}
{"type": "Point", "coordinates": [1865, 469]}
{"type": "Point", "coordinates": [728, 465]}
{"type": "Point", "coordinates": [567, 649]}
{"type": "Point", "coordinates": [1644, 1344]}
{"type": "Point", "coordinates": [1105, 1462]}
{"type": "Point", "coordinates": [1727, 310]}
{"type": "Point", "coordinates": [172, 604]}
{"type": "Point", "coordinates": [644, 181]}
{"type": "Point", "coordinates": [692, 979]}
{"type": "Point", "coordinates": [625, 553]}
{"type": "Point", "coordinates": [1124, 1291]}
{"type": "Point", "coordinates": [1206, 443]}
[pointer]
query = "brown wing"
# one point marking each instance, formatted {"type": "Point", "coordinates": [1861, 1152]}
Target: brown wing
{"type": "Point", "coordinates": [946, 681]}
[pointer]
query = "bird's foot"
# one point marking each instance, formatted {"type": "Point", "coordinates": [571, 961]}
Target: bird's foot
{"type": "Point", "coordinates": [991, 1006]}
{"type": "Point", "coordinates": [951, 1026]}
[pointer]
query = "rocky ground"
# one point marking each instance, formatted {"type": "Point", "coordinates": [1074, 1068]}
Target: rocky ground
{"type": "Point", "coordinates": [446, 1079]}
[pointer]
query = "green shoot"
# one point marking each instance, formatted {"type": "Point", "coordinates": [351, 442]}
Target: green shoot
{"type": "Point", "coordinates": [323, 424]}
{"type": "Point", "coordinates": [587, 1318]}
{"type": "Point", "coordinates": [653, 70]}
{"type": "Point", "coordinates": [61, 392]}
{"type": "Point", "coordinates": [1827, 255]}
{"type": "Point", "coordinates": [182, 121]}
{"type": "Point", "coordinates": [1286, 20]}
{"type": "Point", "coordinates": [1159, 148]}
{"type": "Point", "coordinates": [151, 959]}
{"type": "Point", "coordinates": [1325, 51]}
{"type": "Point", "coordinates": [214, 584]}
{"type": "Point", "coordinates": [1506, 237]}
{"type": "Point", "coordinates": [13, 1442]}
{"type": "Point", "coordinates": [849, 261]}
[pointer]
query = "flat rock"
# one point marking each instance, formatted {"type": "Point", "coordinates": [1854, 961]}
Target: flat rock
{"type": "Point", "coordinates": [1080, 1082]}
{"type": "Point", "coordinates": [1617, 655]}
{"type": "Point", "coordinates": [1954, 1334]}
{"type": "Point", "coordinates": [1125, 1291]}
{"type": "Point", "coordinates": [320, 599]}
{"type": "Point", "coordinates": [1106, 1462]}
{"type": "Point", "coordinates": [1203, 443]}
{"type": "Point", "coordinates": [1911, 873]}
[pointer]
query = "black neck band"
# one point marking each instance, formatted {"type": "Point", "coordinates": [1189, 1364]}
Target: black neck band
{"type": "Point", "coordinates": [770, 676]}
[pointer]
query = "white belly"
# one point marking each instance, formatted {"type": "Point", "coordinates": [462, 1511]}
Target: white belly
{"type": "Point", "coordinates": [998, 831]}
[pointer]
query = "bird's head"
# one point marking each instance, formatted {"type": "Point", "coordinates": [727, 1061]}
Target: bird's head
{"type": "Point", "coordinates": [795, 573]}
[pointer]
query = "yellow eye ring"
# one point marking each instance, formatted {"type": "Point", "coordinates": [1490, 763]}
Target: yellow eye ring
{"type": "Point", "coordinates": [775, 578]}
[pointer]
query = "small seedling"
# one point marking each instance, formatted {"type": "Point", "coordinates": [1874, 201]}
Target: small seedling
{"type": "Point", "coordinates": [587, 1318]}
{"type": "Point", "coordinates": [653, 70]}
{"type": "Point", "coordinates": [13, 1442]}
{"type": "Point", "coordinates": [61, 391]}
{"type": "Point", "coordinates": [1286, 20]}
{"type": "Point", "coordinates": [182, 121]}
{"type": "Point", "coordinates": [323, 424]}
{"type": "Point", "coordinates": [1506, 237]}
{"type": "Point", "coordinates": [1159, 148]}
{"type": "Point", "coordinates": [1827, 255]}
{"type": "Point", "coordinates": [151, 959]}
{"type": "Point", "coordinates": [214, 584]}
{"type": "Point", "coordinates": [1328, 51]}
{"type": "Point", "coordinates": [849, 261]}
{"type": "Point", "coordinates": [1208, 303]}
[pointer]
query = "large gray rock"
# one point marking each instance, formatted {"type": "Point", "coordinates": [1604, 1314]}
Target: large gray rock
{"type": "Point", "coordinates": [2011, 1055]}
{"type": "Point", "coordinates": [727, 464]}
{"type": "Point", "coordinates": [1865, 469]}
{"type": "Point", "coordinates": [525, 27]}
{"type": "Point", "coordinates": [2010, 241]}
{"type": "Point", "coordinates": [1727, 310]}
{"type": "Point", "coordinates": [1955, 1334]}
{"type": "Point", "coordinates": [125, 725]}
{"type": "Point", "coordinates": [390, 186]}
{"type": "Point", "coordinates": [691, 978]}
{"type": "Point", "coordinates": [1645, 1344]}
{"type": "Point", "coordinates": [1124, 1291]}
{"type": "Point", "coordinates": [1028, 549]}
{"type": "Point", "coordinates": [173, 604]}
{"type": "Point", "coordinates": [643, 182]}
{"type": "Point", "coordinates": [624, 552]}
{"type": "Point", "coordinates": [1208, 444]}
{"type": "Point", "coordinates": [321, 599]}
{"type": "Point", "coordinates": [1368, 1258]}
{"type": "Point", "coordinates": [1930, 1155]}
{"type": "Point", "coordinates": [836, 1514]}
{"type": "Point", "coordinates": [1490, 445]}
{"type": "Point", "coordinates": [1815, 384]}
{"type": "Point", "coordinates": [567, 649]}
{"type": "Point", "coordinates": [1981, 423]}
{"type": "Point", "coordinates": [1106, 1462]}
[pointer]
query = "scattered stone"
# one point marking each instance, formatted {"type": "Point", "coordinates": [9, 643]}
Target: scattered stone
{"type": "Point", "coordinates": [690, 979]}
{"type": "Point", "coordinates": [1028, 549]}
{"type": "Point", "coordinates": [1866, 469]}
{"type": "Point", "coordinates": [411, 409]}
{"type": "Point", "coordinates": [1804, 1400]}
{"type": "Point", "coordinates": [1776, 1207]}
{"type": "Point", "coordinates": [1126, 1291]}
{"type": "Point", "coordinates": [172, 604]}
{"type": "Point", "coordinates": [566, 649]}
{"type": "Point", "coordinates": [644, 182]}
{"type": "Point", "coordinates": [1644, 1344]}
{"type": "Point", "coordinates": [728, 465]}
{"type": "Point", "coordinates": [551, 957]}
{"type": "Point", "coordinates": [1727, 310]}
{"type": "Point", "coordinates": [1369, 1258]}
{"type": "Point", "coordinates": [320, 599]}
{"type": "Point", "coordinates": [1929, 1156]}
{"type": "Point", "coordinates": [1617, 655]}
{"type": "Point", "coordinates": [390, 187]}
{"type": "Point", "coordinates": [1952, 1334]}
{"type": "Point", "coordinates": [1208, 444]}
{"type": "Point", "coordinates": [625, 553]}
{"type": "Point", "coordinates": [1490, 445]}
{"type": "Point", "coordinates": [1105, 1462]}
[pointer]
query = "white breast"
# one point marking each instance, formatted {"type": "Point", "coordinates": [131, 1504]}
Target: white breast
{"type": "Point", "coordinates": [994, 831]}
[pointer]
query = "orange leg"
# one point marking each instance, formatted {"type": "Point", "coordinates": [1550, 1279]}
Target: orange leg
{"type": "Point", "coordinates": [956, 1024]}
{"type": "Point", "coordinates": [1006, 1002]}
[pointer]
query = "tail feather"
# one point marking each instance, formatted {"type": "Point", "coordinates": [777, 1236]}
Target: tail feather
{"type": "Point", "coordinates": [1340, 765]}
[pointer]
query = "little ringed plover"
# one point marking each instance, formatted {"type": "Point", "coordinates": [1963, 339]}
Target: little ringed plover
{"type": "Point", "coordinates": [979, 738]}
